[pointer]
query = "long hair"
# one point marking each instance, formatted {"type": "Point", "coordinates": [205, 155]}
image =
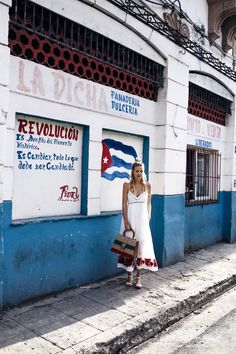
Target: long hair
{"type": "Point", "coordinates": [137, 163]}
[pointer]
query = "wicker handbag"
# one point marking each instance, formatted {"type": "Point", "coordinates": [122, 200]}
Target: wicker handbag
{"type": "Point", "coordinates": [125, 246]}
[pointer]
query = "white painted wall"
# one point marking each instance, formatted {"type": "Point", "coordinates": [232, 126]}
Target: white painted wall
{"type": "Point", "coordinates": [45, 93]}
{"type": "Point", "coordinates": [83, 102]}
{"type": "Point", "coordinates": [4, 92]}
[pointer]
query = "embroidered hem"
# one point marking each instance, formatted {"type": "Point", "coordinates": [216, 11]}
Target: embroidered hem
{"type": "Point", "coordinates": [127, 263]}
{"type": "Point", "coordinates": [128, 269]}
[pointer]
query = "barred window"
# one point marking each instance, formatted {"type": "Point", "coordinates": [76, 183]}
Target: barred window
{"type": "Point", "coordinates": [47, 38]}
{"type": "Point", "coordinates": [208, 105]}
{"type": "Point", "coordinates": [202, 176]}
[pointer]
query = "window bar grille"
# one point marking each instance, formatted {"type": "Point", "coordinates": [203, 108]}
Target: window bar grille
{"type": "Point", "coordinates": [50, 25]}
{"type": "Point", "coordinates": [64, 29]}
{"type": "Point", "coordinates": [202, 176]}
{"type": "Point", "coordinates": [108, 51]}
{"type": "Point", "coordinates": [91, 49]}
{"type": "Point", "coordinates": [15, 11]}
{"type": "Point", "coordinates": [33, 17]}
{"type": "Point", "coordinates": [62, 34]}
{"type": "Point", "coordinates": [57, 28]}
{"type": "Point", "coordinates": [25, 10]}
{"type": "Point", "coordinates": [41, 22]}
{"type": "Point", "coordinates": [208, 105]}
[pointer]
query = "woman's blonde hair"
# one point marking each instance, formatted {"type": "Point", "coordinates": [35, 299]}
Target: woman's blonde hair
{"type": "Point", "coordinates": [137, 163]}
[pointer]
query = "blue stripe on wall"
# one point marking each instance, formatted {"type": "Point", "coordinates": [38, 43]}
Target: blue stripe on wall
{"type": "Point", "coordinates": [1, 257]}
{"type": "Point", "coordinates": [146, 144]}
{"type": "Point", "coordinates": [53, 255]}
{"type": "Point", "coordinates": [84, 177]}
{"type": "Point", "coordinates": [177, 229]}
{"type": "Point", "coordinates": [207, 224]}
{"type": "Point", "coordinates": [50, 256]}
{"type": "Point", "coordinates": [167, 225]}
{"type": "Point", "coordinates": [229, 213]}
{"type": "Point", "coordinates": [232, 237]}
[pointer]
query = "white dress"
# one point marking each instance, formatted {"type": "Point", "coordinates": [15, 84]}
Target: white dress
{"type": "Point", "coordinates": [137, 214]}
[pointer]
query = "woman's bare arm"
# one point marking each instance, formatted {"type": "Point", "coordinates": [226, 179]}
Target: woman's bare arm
{"type": "Point", "coordinates": [149, 200]}
{"type": "Point", "coordinates": [124, 205]}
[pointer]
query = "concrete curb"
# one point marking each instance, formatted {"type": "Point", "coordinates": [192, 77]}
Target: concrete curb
{"type": "Point", "coordinates": [135, 336]}
{"type": "Point", "coordinates": [109, 318]}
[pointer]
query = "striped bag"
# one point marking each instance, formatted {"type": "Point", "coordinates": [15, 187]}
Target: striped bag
{"type": "Point", "coordinates": [125, 246]}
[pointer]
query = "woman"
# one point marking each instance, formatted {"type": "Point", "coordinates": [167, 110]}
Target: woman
{"type": "Point", "coordinates": [136, 210]}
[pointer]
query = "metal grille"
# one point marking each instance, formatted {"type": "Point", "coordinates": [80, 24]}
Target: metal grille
{"type": "Point", "coordinates": [151, 19]}
{"type": "Point", "coordinates": [202, 176]}
{"type": "Point", "coordinates": [42, 36]}
{"type": "Point", "coordinates": [208, 105]}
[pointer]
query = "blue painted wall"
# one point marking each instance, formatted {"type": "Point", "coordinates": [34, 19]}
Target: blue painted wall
{"type": "Point", "coordinates": [211, 223]}
{"type": "Point", "coordinates": [167, 226]}
{"type": "Point", "coordinates": [1, 257]}
{"type": "Point", "coordinates": [49, 256]}
{"type": "Point", "coordinates": [233, 219]}
{"type": "Point", "coordinates": [229, 210]}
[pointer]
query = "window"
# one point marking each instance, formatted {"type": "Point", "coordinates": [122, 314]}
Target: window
{"type": "Point", "coordinates": [202, 176]}
{"type": "Point", "coordinates": [47, 38]}
{"type": "Point", "coordinates": [208, 105]}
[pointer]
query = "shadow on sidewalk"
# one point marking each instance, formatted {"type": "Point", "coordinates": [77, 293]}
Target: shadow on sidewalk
{"type": "Point", "coordinates": [61, 321]}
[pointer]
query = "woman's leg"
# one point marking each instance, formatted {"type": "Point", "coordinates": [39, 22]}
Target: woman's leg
{"type": "Point", "coordinates": [130, 279]}
{"type": "Point", "coordinates": [138, 279]}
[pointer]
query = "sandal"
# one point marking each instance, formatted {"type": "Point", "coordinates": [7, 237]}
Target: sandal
{"type": "Point", "coordinates": [130, 280]}
{"type": "Point", "coordinates": [138, 283]}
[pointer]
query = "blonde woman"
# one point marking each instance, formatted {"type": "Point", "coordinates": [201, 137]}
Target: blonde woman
{"type": "Point", "coordinates": [136, 210]}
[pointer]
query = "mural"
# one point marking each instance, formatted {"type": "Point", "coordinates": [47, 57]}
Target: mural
{"type": "Point", "coordinates": [117, 159]}
{"type": "Point", "coordinates": [47, 169]}
{"type": "Point", "coordinates": [119, 151]}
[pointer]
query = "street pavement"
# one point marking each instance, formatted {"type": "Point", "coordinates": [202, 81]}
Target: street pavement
{"type": "Point", "coordinates": [209, 330]}
{"type": "Point", "coordinates": [108, 317]}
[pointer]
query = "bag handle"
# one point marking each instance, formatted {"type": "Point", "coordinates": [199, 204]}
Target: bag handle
{"type": "Point", "coordinates": [129, 230]}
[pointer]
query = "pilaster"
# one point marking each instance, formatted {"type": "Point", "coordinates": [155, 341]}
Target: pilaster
{"type": "Point", "coordinates": [168, 201]}
{"type": "Point", "coordinates": [4, 103]}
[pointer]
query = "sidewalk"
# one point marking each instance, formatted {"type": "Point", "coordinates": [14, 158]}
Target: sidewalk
{"type": "Point", "coordinates": [108, 317]}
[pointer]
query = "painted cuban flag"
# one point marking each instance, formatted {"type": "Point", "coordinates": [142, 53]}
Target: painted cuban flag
{"type": "Point", "coordinates": [117, 159]}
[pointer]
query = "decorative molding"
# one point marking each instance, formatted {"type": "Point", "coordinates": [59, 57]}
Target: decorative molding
{"type": "Point", "coordinates": [222, 23]}
{"type": "Point", "coordinates": [173, 20]}
{"type": "Point", "coordinates": [144, 15]}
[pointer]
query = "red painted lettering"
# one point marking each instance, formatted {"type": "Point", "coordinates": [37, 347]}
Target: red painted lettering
{"type": "Point", "coordinates": [37, 82]}
{"type": "Point", "coordinates": [39, 127]}
{"type": "Point", "coordinates": [31, 127]}
{"type": "Point", "coordinates": [21, 86]}
{"type": "Point", "coordinates": [69, 195]}
{"type": "Point", "coordinates": [22, 124]}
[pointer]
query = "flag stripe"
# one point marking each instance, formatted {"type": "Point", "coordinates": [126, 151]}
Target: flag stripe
{"type": "Point", "coordinates": [115, 168]}
{"type": "Point", "coordinates": [122, 155]}
{"type": "Point", "coordinates": [116, 161]}
{"type": "Point", "coordinates": [118, 145]}
{"type": "Point", "coordinates": [115, 174]}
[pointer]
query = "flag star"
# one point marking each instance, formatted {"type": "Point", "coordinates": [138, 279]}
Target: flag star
{"type": "Point", "coordinates": [105, 160]}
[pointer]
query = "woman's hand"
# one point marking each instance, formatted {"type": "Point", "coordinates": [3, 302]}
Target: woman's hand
{"type": "Point", "coordinates": [127, 226]}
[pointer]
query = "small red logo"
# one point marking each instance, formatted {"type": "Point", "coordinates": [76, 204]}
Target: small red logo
{"type": "Point", "coordinates": [68, 195]}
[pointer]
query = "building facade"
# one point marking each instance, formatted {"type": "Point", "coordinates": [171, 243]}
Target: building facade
{"type": "Point", "coordinates": [88, 86]}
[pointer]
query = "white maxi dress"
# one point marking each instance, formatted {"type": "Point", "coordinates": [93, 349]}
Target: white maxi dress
{"type": "Point", "coordinates": [137, 214]}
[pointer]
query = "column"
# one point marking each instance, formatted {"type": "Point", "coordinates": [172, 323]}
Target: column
{"type": "Point", "coordinates": [169, 157]}
{"type": "Point", "coordinates": [4, 102]}
{"type": "Point", "coordinates": [229, 179]}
